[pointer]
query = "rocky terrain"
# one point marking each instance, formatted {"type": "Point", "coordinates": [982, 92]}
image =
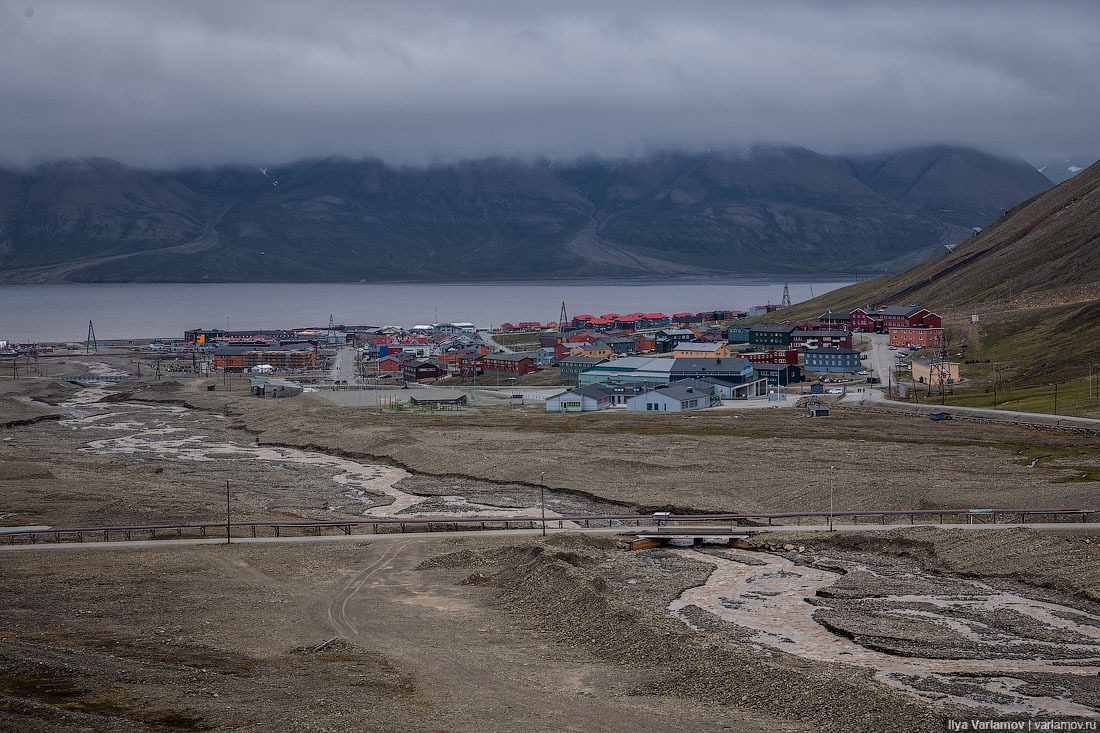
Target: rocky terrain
{"type": "Point", "coordinates": [805, 631]}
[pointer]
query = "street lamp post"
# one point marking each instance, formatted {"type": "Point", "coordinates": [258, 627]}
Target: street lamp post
{"type": "Point", "coordinates": [831, 482]}
{"type": "Point", "coordinates": [542, 499]}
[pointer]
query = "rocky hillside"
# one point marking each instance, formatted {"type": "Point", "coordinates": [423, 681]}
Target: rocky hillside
{"type": "Point", "coordinates": [1032, 277]}
{"type": "Point", "coordinates": [770, 210]}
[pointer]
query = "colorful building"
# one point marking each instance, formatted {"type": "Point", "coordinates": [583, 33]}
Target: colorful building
{"type": "Point", "coordinates": [510, 364]}
{"type": "Point", "coordinates": [572, 366]}
{"type": "Point", "coordinates": [919, 337]}
{"type": "Point", "coordinates": [926, 371]}
{"type": "Point", "coordinates": [886, 317]}
{"type": "Point", "coordinates": [830, 360]}
{"type": "Point", "coordinates": [696, 350]}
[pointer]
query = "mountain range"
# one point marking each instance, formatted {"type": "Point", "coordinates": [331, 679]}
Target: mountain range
{"type": "Point", "coordinates": [770, 209]}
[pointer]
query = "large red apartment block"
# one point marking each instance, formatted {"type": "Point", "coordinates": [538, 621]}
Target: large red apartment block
{"type": "Point", "coordinates": [886, 317]}
{"type": "Point", "coordinates": [920, 337]}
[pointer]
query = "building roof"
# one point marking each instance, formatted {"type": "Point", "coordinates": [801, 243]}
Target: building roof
{"type": "Point", "coordinates": [831, 316]}
{"type": "Point", "coordinates": [518, 356]}
{"type": "Point", "coordinates": [682, 392]}
{"type": "Point", "coordinates": [584, 360]}
{"type": "Point", "coordinates": [900, 310]}
{"type": "Point", "coordinates": [701, 346]}
{"type": "Point", "coordinates": [772, 328]}
{"type": "Point", "coordinates": [830, 351]}
{"type": "Point", "coordinates": [704, 384]}
{"type": "Point", "coordinates": [702, 364]}
{"type": "Point", "coordinates": [655, 316]}
{"type": "Point", "coordinates": [677, 332]}
{"type": "Point", "coordinates": [595, 391]}
{"type": "Point", "coordinates": [641, 363]}
{"type": "Point", "coordinates": [236, 350]}
{"type": "Point", "coordinates": [820, 334]}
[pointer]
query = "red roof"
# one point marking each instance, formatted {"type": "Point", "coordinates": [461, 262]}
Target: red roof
{"type": "Point", "coordinates": [599, 322]}
{"type": "Point", "coordinates": [684, 315]}
{"type": "Point", "coordinates": [583, 318]}
{"type": "Point", "coordinates": [655, 315]}
{"type": "Point", "coordinates": [610, 316]}
{"type": "Point", "coordinates": [632, 316]}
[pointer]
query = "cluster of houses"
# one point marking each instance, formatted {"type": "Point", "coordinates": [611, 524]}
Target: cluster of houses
{"type": "Point", "coordinates": [744, 359]}
{"type": "Point", "coordinates": [250, 350]}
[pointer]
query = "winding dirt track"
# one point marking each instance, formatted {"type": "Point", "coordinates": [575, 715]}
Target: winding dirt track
{"type": "Point", "coordinates": [337, 614]}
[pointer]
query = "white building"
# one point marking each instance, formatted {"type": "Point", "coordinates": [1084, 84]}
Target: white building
{"type": "Point", "coordinates": [582, 399]}
{"type": "Point", "coordinates": [674, 397]}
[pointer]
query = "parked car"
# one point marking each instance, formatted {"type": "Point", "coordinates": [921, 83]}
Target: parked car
{"type": "Point", "coordinates": [834, 390]}
{"type": "Point", "coordinates": [892, 348]}
{"type": "Point", "coordinates": [863, 372]}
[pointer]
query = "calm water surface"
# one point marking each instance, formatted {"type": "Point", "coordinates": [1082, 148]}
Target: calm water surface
{"type": "Point", "coordinates": [61, 312]}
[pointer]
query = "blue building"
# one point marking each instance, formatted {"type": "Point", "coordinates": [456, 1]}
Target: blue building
{"type": "Point", "coordinates": [830, 360]}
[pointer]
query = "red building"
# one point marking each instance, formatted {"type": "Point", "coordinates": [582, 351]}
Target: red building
{"type": "Point", "coordinates": [417, 370]}
{"type": "Point", "coordinates": [393, 363]}
{"type": "Point", "coordinates": [893, 316]}
{"type": "Point", "coordinates": [785, 356]}
{"type": "Point", "coordinates": [824, 326]}
{"type": "Point", "coordinates": [511, 364]}
{"type": "Point", "coordinates": [920, 337]}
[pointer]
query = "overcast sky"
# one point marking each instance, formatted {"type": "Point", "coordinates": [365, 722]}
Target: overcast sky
{"type": "Point", "coordinates": [268, 82]}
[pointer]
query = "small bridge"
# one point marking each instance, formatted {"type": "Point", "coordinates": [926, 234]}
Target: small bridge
{"type": "Point", "coordinates": [647, 538]}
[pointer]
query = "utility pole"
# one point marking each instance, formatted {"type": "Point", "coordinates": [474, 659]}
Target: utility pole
{"type": "Point", "coordinates": [542, 499]}
{"type": "Point", "coordinates": [831, 481]}
{"type": "Point", "coordinates": [1055, 398]}
{"type": "Point", "coordinates": [228, 536]}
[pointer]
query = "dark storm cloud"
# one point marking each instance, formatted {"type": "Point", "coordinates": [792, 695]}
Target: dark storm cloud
{"type": "Point", "coordinates": [208, 82]}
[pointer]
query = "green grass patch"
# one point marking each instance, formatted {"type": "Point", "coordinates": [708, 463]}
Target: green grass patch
{"type": "Point", "coordinates": [517, 339]}
{"type": "Point", "coordinates": [1075, 398]}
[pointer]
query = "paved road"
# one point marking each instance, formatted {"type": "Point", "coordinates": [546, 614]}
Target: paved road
{"type": "Point", "coordinates": [882, 359]}
{"type": "Point", "coordinates": [492, 344]}
{"type": "Point", "coordinates": [343, 366]}
{"type": "Point", "coordinates": [396, 536]}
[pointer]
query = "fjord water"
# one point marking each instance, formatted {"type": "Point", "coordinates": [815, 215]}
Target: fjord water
{"type": "Point", "coordinates": [61, 312]}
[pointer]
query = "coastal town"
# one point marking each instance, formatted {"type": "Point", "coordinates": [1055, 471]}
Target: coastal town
{"type": "Point", "coordinates": [638, 362]}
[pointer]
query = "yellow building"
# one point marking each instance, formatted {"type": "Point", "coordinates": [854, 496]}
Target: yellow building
{"type": "Point", "coordinates": [592, 350]}
{"type": "Point", "coordinates": [925, 372]}
{"type": "Point", "coordinates": [692, 350]}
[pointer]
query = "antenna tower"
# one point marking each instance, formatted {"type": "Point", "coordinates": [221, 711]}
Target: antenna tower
{"type": "Point", "coordinates": [562, 319]}
{"type": "Point", "coordinates": [786, 296]}
{"type": "Point", "coordinates": [90, 346]}
{"type": "Point", "coordinates": [331, 330]}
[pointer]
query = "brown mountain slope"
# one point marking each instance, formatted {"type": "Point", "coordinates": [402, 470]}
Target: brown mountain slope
{"type": "Point", "coordinates": [1033, 277]}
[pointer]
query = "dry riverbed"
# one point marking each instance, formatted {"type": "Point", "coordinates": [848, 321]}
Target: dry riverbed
{"type": "Point", "coordinates": [886, 631]}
